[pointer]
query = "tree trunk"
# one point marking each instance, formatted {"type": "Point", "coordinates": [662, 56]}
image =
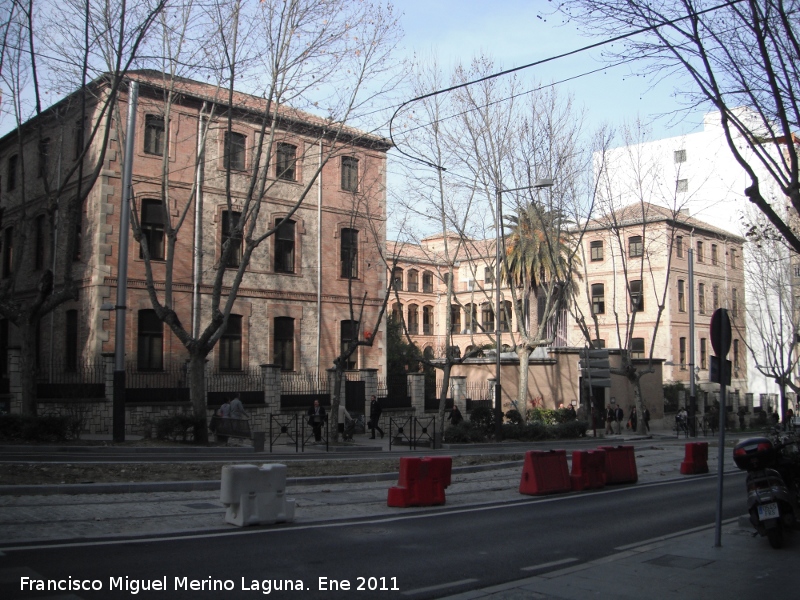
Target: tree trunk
{"type": "Point", "coordinates": [27, 367]}
{"type": "Point", "coordinates": [197, 392]}
{"type": "Point", "coordinates": [443, 401]}
{"type": "Point", "coordinates": [637, 397]}
{"type": "Point", "coordinates": [522, 395]}
{"type": "Point", "coordinates": [784, 401]}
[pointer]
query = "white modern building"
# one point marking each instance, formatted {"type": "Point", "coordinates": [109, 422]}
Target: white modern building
{"type": "Point", "coordinates": [697, 174]}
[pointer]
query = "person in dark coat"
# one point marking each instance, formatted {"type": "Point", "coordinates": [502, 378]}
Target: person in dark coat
{"type": "Point", "coordinates": [455, 416]}
{"type": "Point", "coordinates": [646, 420]}
{"type": "Point", "coordinates": [610, 419]}
{"type": "Point", "coordinates": [375, 411]}
{"type": "Point", "coordinates": [316, 418]}
{"type": "Point", "coordinates": [634, 418]}
{"type": "Point", "coordinates": [619, 414]}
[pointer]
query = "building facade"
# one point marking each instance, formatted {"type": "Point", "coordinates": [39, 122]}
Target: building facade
{"type": "Point", "coordinates": [293, 307]}
{"type": "Point", "coordinates": [636, 285]}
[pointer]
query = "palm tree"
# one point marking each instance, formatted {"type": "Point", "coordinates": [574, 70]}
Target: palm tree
{"type": "Point", "coordinates": [540, 260]}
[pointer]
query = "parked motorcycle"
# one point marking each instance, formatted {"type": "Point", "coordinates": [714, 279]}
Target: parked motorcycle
{"type": "Point", "coordinates": [773, 477]}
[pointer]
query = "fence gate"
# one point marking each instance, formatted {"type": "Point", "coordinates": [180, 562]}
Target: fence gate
{"type": "Point", "coordinates": [355, 396]}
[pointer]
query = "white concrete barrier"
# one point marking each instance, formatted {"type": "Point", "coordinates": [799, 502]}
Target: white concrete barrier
{"type": "Point", "coordinates": [255, 495]}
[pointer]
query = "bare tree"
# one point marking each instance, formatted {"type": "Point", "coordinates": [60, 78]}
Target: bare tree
{"type": "Point", "coordinates": [742, 58]}
{"type": "Point", "coordinates": [772, 316]}
{"type": "Point", "coordinates": [56, 154]}
{"type": "Point", "coordinates": [291, 56]}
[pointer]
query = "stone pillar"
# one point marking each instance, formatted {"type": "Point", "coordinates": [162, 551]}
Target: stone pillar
{"type": "Point", "coordinates": [370, 379]}
{"type": "Point", "coordinates": [15, 380]}
{"type": "Point", "coordinates": [458, 383]}
{"type": "Point", "coordinates": [416, 387]}
{"type": "Point", "coordinates": [108, 374]}
{"type": "Point", "coordinates": [271, 382]}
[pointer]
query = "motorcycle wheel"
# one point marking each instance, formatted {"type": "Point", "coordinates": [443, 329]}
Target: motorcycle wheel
{"type": "Point", "coordinates": [775, 537]}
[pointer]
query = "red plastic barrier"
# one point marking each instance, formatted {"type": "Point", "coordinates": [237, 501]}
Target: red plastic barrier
{"type": "Point", "coordinates": [545, 473]}
{"type": "Point", "coordinates": [620, 464]}
{"type": "Point", "coordinates": [422, 481]}
{"type": "Point", "coordinates": [588, 470]}
{"type": "Point", "coordinates": [696, 460]}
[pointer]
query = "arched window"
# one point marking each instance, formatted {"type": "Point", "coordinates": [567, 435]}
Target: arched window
{"type": "Point", "coordinates": [413, 281]}
{"type": "Point", "coordinates": [413, 319]}
{"type": "Point", "coordinates": [427, 282]}
{"type": "Point", "coordinates": [427, 320]}
{"type": "Point", "coordinates": [455, 318]}
{"type": "Point", "coordinates": [487, 317]}
{"type": "Point", "coordinates": [397, 312]}
{"type": "Point", "coordinates": [397, 279]}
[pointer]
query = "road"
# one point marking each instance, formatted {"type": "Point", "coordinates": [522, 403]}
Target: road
{"type": "Point", "coordinates": [419, 556]}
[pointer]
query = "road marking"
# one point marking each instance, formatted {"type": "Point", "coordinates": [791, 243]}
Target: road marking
{"type": "Point", "coordinates": [669, 536]}
{"type": "Point", "coordinates": [441, 586]}
{"type": "Point", "coordinates": [555, 563]}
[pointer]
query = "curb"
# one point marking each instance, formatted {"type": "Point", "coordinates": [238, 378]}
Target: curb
{"type": "Point", "coordinates": [73, 489]}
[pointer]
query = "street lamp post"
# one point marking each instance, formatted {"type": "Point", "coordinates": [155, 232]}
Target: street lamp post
{"type": "Point", "coordinates": [499, 235]}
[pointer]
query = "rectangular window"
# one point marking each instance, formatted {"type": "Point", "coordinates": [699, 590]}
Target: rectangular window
{"type": "Point", "coordinates": [11, 173]}
{"type": "Point", "coordinates": [286, 163]}
{"type": "Point", "coordinates": [39, 241]}
{"type": "Point", "coordinates": [682, 349]}
{"type": "Point", "coordinates": [734, 302]}
{"type": "Point", "coordinates": [427, 282]}
{"type": "Point", "coordinates": [714, 257]}
{"type": "Point", "coordinates": [284, 247]}
{"type": "Point", "coordinates": [733, 258]}
{"type": "Point", "coordinates": [736, 355]}
{"type": "Point", "coordinates": [681, 295]}
{"type": "Point", "coordinates": [235, 144]}
{"type": "Point", "coordinates": [78, 149]}
{"type": "Point", "coordinates": [455, 318]}
{"type": "Point", "coordinates": [680, 156]}
{"type": "Point", "coordinates": [635, 247]}
{"type": "Point", "coordinates": [679, 246]}
{"type": "Point", "coordinates": [682, 185]}
{"type": "Point", "coordinates": [154, 135]}
{"type": "Point", "coordinates": [703, 354]}
{"type": "Point", "coordinates": [715, 297]}
{"type": "Point", "coordinates": [637, 296]}
{"type": "Point", "coordinates": [150, 342]}
{"type": "Point", "coordinates": [596, 249]}
{"type": "Point", "coordinates": [44, 151]}
{"type": "Point", "coordinates": [487, 317]}
{"type": "Point", "coordinates": [349, 174]}
{"type": "Point", "coordinates": [152, 223]}
{"type": "Point", "coordinates": [283, 347]}
{"type": "Point", "coordinates": [349, 335]}
{"type": "Point", "coordinates": [230, 220]}
{"type": "Point", "coordinates": [71, 340]}
{"type": "Point", "coordinates": [8, 252]}
{"type": "Point", "coordinates": [637, 348]}
{"type": "Point", "coordinates": [699, 254]}
{"type": "Point", "coordinates": [701, 298]}
{"type": "Point", "coordinates": [598, 299]}
{"type": "Point", "coordinates": [349, 253]}
{"type": "Point", "coordinates": [598, 343]}
{"type": "Point", "coordinates": [230, 345]}
{"type": "Point", "coordinates": [413, 319]}
{"type": "Point", "coordinates": [488, 275]}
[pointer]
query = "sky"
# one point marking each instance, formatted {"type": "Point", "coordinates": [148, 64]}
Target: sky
{"type": "Point", "coordinates": [517, 32]}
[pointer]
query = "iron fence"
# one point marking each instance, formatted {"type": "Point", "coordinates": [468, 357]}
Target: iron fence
{"type": "Point", "coordinates": [299, 390]}
{"type": "Point", "coordinates": [169, 384]}
{"type": "Point", "coordinates": [393, 391]}
{"type": "Point", "coordinates": [247, 384]}
{"type": "Point", "coordinates": [71, 381]}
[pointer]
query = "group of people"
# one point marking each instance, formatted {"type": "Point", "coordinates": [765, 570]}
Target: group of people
{"type": "Point", "coordinates": [616, 415]}
{"type": "Point", "coordinates": [317, 418]}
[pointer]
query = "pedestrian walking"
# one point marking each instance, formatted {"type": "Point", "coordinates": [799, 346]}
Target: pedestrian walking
{"type": "Point", "coordinates": [633, 418]}
{"type": "Point", "coordinates": [610, 419]}
{"type": "Point", "coordinates": [316, 418]}
{"type": "Point", "coordinates": [646, 417]}
{"type": "Point", "coordinates": [619, 414]}
{"type": "Point", "coordinates": [375, 411]}
{"type": "Point", "coordinates": [455, 416]}
{"type": "Point", "coordinates": [342, 414]}
{"type": "Point", "coordinates": [237, 409]}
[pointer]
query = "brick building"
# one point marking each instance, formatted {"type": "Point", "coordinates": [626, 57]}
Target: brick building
{"type": "Point", "coordinates": [293, 306]}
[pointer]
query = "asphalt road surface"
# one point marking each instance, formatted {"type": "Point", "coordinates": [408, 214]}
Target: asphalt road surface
{"type": "Point", "coordinates": [418, 556]}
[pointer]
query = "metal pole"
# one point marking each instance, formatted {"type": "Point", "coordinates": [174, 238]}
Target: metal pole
{"type": "Point", "coordinates": [122, 270]}
{"type": "Point", "coordinates": [498, 388]}
{"type": "Point", "coordinates": [692, 398]}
